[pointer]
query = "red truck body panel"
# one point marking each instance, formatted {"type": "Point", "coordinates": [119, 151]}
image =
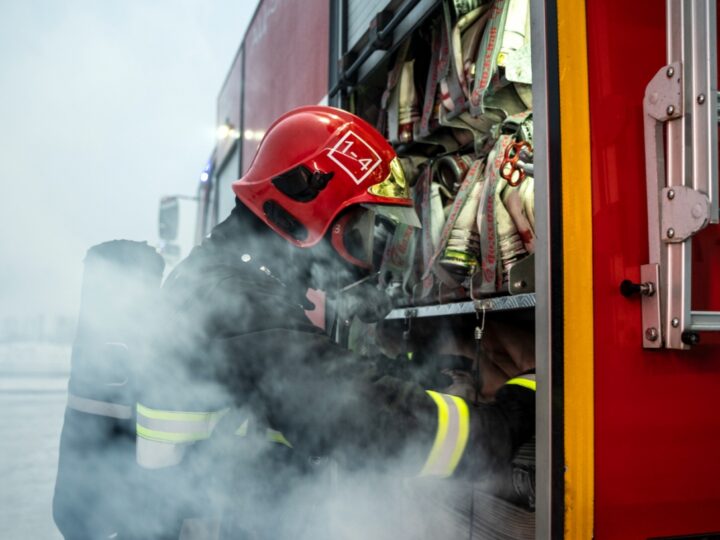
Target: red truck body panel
{"type": "Point", "coordinates": [657, 426]}
{"type": "Point", "coordinates": [286, 64]}
{"type": "Point", "coordinates": [228, 107]}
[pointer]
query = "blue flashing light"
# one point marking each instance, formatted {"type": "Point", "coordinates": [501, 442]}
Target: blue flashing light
{"type": "Point", "coordinates": [207, 170]}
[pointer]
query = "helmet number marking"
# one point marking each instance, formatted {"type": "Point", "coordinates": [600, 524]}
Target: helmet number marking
{"type": "Point", "coordinates": [354, 156]}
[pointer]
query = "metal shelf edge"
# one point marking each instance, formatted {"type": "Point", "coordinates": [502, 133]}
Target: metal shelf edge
{"type": "Point", "coordinates": [498, 303]}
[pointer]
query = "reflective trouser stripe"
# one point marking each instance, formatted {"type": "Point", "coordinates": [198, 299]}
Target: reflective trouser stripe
{"type": "Point", "coordinates": [162, 435]}
{"type": "Point", "coordinates": [451, 437]}
{"type": "Point", "coordinates": [100, 408]}
{"type": "Point", "coordinates": [528, 381]}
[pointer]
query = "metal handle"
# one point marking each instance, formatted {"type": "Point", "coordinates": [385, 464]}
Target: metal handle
{"type": "Point", "coordinates": [629, 289]}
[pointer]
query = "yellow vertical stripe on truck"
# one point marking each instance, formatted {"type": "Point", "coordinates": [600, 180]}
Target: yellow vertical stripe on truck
{"type": "Point", "coordinates": [577, 268]}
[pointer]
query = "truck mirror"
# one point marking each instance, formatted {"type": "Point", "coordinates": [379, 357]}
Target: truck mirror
{"type": "Point", "coordinates": [168, 218]}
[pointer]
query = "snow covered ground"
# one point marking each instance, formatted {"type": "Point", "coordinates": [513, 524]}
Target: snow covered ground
{"type": "Point", "coordinates": [33, 381]}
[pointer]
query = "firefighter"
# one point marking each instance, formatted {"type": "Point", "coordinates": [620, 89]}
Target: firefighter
{"type": "Point", "coordinates": [237, 358]}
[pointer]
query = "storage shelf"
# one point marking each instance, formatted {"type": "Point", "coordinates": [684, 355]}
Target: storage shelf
{"type": "Point", "coordinates": [498, 303]}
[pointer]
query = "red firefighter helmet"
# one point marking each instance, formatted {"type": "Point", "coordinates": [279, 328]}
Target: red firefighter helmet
{"type": "Point", "coordinates": [313, 163]}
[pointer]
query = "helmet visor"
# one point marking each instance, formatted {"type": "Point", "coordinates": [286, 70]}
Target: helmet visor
{"type": "Point", "coordinates": [397, 214]}
{"type": "Point", "coordinates": [395, 186]}
{"type": "Point", "coordinates": [352, 236]}
{"type": "Point", "coordinates": [360, 235]}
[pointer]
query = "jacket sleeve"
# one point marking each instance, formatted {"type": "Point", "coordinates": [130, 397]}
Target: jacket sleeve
{"type": "Point", "coordinates": [325, 399]}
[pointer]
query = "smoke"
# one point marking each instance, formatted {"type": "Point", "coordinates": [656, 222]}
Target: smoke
{"type": "Point", "coordinates": [106, 107]}
{"type": "Point", "coordinates": [93, 102]}
{"type": "Point", "coordinates": [229, 335]}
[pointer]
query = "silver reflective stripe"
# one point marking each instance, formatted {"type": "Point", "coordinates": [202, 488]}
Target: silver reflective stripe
{"type": "Point", "coordinates": [100, 408]}
{"type": "Point", "coordinates": [156, 454]}
{"type": "Point", "coordinates": [451, 437]}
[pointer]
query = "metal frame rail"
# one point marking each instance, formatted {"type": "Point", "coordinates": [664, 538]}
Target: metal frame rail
{"type": "Point", "coordinates": [387, 29]}
{"type": "Point", "coordinates": [681, 157]}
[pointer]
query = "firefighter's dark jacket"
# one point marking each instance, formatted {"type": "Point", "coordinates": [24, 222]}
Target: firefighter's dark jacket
{"type": "Point", "coordinates": [235, 335]}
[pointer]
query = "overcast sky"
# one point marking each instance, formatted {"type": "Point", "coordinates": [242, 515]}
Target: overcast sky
{"type": "Point", "coordinates": [105, 106]}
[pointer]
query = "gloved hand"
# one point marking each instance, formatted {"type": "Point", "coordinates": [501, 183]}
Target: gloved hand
{"type": "Point", "coordinates": [367, 301]}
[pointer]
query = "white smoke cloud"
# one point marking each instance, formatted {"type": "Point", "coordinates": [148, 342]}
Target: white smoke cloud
{"type": "Point", "coordinates": [331, 484]}
{"type": "Point", "coordinates": [105, 107]}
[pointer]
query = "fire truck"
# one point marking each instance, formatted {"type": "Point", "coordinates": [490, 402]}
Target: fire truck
{"type": "Point", "coordinates": [610, 108]}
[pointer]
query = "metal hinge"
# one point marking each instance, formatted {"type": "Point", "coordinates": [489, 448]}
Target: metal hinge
{"type": "Point", "coordinates": [683, 212]}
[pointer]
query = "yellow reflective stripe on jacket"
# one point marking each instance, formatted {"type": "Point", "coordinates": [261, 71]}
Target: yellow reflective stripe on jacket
{"type": "Point", "coordinates": [528, 381]}
{"type": "Point", "coordinates": [242, 431]}
{"type": "Point", "coordinates": [272, 435]}
{"type": "Point", "coordinates": [164, 436]}
{"type": "Point", "coordinates": [175, 426]}
{"type": "Point", "coordinates": [159, 414]}
{"type": "Point", "coordinates": [275, 436]}
{"type": "Point", "coordinates": [451, 437]}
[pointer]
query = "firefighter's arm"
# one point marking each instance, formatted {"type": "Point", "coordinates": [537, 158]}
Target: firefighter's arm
{"type": "Point", "coordinates": [324, 400]}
